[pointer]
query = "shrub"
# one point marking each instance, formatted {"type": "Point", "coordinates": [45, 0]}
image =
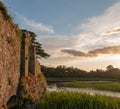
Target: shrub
{"type": "Point", "coordinates": [4, 11]}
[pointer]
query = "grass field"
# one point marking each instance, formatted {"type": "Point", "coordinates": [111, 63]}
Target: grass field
{"type": "Point", "coordinates": [70, 100]}
{"type": "Point", "coordinates": [108, 86]}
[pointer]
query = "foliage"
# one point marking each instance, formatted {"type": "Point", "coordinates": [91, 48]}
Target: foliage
{"type": "Point", "coordinates": [40, 52]}
{"type": "Point", "coordinates": [4, 11]}
{"type": "Point", "coordinates": [74, 100]}
{"type": "Point", "coordinates": [72, 72]}
{"type": "Point", "coordinates": [62, 71]}
{"type": "Point", "coordinates": [109, 67]}
{"type": "Point", "coordinates": [21, 86]}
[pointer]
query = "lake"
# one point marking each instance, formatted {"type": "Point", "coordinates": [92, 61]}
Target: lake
{"type": "Point", "coordinates": [54, 88]}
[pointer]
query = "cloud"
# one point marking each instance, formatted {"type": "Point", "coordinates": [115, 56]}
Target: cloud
{"type": "Point", "coordinates": [94, 52]}
{"type": "Point", "coordinates": [38, 26]}
{"type": "Point", "coordinates": [94, 31]}
{"type": "Point", "coordinates": [88, 35]}
{"type": "Point", "coordinates": [111, 32]}
{"type": "Point", "coordinates": [89, 41]}
{"type": "Point", "coordinates": [74, 52]}
{"type": "Point", "coordinates": [35, 26]}
{"type": "Point", "coordinates": [55, 43]}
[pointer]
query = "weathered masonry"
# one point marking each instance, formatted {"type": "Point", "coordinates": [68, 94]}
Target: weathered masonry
{"type": "Point", "coordinates": [28, 55]}
{"type": "Point", "coordinates": [18, 64]}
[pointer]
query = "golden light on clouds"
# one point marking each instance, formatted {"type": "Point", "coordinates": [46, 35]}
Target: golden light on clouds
{"type": "Point", "coordinates": [96, 63]}
{"type": "Point", "coordinates": [94, 52]}
{"type": "Point", "coordinates": [95, 45]}
{"type": "Point", "coordinates": [112, 31]}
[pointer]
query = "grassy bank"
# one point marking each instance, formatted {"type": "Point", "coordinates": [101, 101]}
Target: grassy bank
{"type": "Point", "coordinates": [108, 86]}
{"type": "Point", "coordinates": [70, 100]}
{"type": "Point", "coordinates": [52, 79]}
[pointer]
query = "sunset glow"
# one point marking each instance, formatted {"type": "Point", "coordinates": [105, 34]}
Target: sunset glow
{"type": "Point", "coordinates": [88, 39]}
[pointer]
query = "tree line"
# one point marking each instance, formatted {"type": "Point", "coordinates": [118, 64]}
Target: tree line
{"type": "Point", "coordinates": [73, 72]}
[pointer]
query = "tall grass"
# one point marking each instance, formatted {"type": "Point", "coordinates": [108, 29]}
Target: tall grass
{"type": "Point", "coordinates": [73, 100]}
{"type": "Point", "coordinates": [108, 86]}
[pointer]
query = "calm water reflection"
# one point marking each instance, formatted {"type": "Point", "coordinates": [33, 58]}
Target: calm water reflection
{"type": "Point", "coordinates": [83, 90]}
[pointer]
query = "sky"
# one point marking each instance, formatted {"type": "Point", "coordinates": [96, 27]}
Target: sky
{"type": "Point", "coordinates": [78, 33]}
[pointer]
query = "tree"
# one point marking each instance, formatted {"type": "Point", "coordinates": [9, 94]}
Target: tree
{"type": "Point", "coordinates": [109, 67]}
{"type": "Point", "coordinates": [40, 52]}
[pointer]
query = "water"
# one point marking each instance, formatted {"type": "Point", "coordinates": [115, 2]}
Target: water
{"type": "Point", "coordinates": [54, 88]}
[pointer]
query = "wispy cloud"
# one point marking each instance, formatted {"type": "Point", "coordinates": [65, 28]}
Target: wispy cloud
{"type": "Point", "coordinates": [74, 53]}
{"type": "Point", "coordinates": [55, 42]}
{"type": "Point", "coordinates": [94, 38]}
{"type": "Point", "coordinates": [98, 32]}
{"type": "Point", "coordinates": [94, 31]}
{"type": "Point", "coordinates": [37, 26]}
{"type": "Point", "coordinates": [94, 52]}
{"type": "Point", "coordinates": [112, 31]}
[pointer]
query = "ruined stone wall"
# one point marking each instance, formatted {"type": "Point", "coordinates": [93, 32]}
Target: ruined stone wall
{"type": "Point", "coordinates": [37, 68]}
{"type": "Point", "coordinates": [16, 60]}
{"type": "Point", "coordinates": [25, 44]}
{"type": "Point", "coordinates": [34, 64]}
{"type": "Point", "coordinates": [29, 61]}
{"type": "Point", "coordinates": [32, 53]}
{"type": "Point", "coordinates": [9, 59]}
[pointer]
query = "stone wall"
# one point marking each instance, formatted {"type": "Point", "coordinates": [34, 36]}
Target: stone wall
{"type": "Point", "coordinates": [32, 58]}
{"type": "Point", "coordinates": [25, 44]}
{"type": "Point", "coordinates": [29, 62]}
{"type": "Point", "coordinates": [9, 59]}
{"type": "Point", "coordinates": [37, 68]}
{"type": "Point", "coordinates": [19, 67]}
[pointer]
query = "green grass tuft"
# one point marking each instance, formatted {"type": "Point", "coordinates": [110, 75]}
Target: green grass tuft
{"type": "Point", "coordinates": [74, 100]}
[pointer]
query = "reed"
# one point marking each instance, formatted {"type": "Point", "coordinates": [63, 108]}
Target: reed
{"type": "Point", "coordinates": [74, 100]}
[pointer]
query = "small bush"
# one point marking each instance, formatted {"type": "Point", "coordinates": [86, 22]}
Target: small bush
{"type": "Point", "coordinates": [4, 11]}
